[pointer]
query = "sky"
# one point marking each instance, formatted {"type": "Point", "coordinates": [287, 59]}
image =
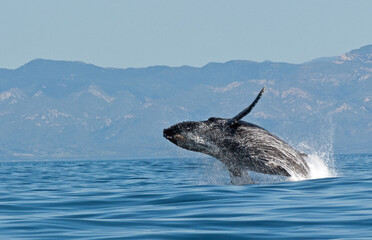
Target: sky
{"type": "Point", "coordinates": [140, 33]}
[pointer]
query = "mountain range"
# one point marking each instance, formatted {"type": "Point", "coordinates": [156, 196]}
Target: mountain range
{"type": "Point", "coordinates": [61, 109]}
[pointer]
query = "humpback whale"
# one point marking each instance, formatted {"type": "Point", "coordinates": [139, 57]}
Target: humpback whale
{"type": "Point", "coordinates": [240, 145]}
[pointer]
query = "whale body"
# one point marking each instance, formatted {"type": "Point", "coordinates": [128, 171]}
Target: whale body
{"type": "Point", "coordinates": [241, 146]}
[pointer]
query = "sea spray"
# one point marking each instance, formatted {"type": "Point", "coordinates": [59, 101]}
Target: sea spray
{"type": "Point", "coordinates": [214, 172]}
{"type": "Point", "coordinates": [320, 151]}
{"type": "Point", "coordinates": [318, 167]}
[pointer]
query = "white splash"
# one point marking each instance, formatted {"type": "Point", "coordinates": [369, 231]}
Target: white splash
{"type": "Point", "coordinates": [320, 153]}
{"type": "Point", "coordinates": [321, 165]}
{"type": "Point", "coordinates": [319, 168]}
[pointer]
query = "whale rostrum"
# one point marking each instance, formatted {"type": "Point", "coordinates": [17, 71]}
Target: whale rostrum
{"type": "Point", "coordinates": [240, 145]}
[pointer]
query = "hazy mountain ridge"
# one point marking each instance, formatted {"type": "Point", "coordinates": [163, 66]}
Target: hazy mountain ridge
{"type": "Point", "coordinates": [53, 109]}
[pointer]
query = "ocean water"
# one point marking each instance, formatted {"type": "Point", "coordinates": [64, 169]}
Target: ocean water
{"type": "Point", "coordinates": [182, 199]}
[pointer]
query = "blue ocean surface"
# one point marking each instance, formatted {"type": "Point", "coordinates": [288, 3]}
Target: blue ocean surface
{"type": "Point", "coordinates": [180, 199]}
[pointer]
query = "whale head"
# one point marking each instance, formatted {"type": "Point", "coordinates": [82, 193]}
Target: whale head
{"type": "Point", "coordinates": [203, 136]}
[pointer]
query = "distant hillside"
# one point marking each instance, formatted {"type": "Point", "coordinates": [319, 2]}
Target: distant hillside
{"type": "Point", "coordinates": [59, 109]}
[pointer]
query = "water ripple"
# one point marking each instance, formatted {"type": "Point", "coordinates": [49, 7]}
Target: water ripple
{"type": "Point", "coordinates": [179, 199]}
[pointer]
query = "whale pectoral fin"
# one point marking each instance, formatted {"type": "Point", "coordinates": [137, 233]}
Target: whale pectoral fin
{"type": "Point", "coordinates": [247, 110]}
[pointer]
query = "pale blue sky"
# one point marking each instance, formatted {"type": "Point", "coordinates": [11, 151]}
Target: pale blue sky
{"type": "Point", "coordinates": [142, 33]}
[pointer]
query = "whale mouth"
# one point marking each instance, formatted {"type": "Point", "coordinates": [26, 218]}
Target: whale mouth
{"type": "Point", "coordinates": [173, 135]}
{"type": "Point", "coordinates": [169, 134]}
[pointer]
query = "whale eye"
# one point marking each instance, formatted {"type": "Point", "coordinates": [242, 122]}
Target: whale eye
{"type": "Point", "coordinates": [212, 119]}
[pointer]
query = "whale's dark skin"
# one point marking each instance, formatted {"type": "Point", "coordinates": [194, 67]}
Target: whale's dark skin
{"type": "Point", "coordinates": [240, 145]}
